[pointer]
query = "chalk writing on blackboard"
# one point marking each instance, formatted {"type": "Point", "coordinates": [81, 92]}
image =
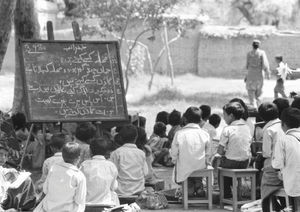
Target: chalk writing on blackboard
{"type": "Point", "coordinates": [71, 81]}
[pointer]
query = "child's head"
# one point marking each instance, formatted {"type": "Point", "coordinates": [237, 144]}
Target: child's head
{"type": "Point", "coordinates": [19, 120]}
{"type": "Point", "coordinates": [162, 116]}
{"type": "Point", "coordinates": [206, 110]}
{"type": "Point", "coordinates": [159, 129]}
{"type": "Point", "coordinates": [85, 131]}
{"type": "Point", "coordinates": [290, 118]}
{"type": "Point", "coordinates": [278, 59]}
{"type": "Point", "coordinates": [268, 111]}
{"type": "Point", "coordinates": [100, 146]}
{"type": "Point", "coordinates": [71, 153]}
{"type": "Point", "coordinates": [281, 104]}
{"type": "Point", "coordinates": [296, 103]}
{"type": "Point", "coordinates": [57, 142]}
{"type": "Point", "coordinates": [255, 44]}
{"type": "Point", "coordinates": [140, 122]}
{"type": "Point", "coordinates": [128, 133]}
{"type": "Point", "coordinates": [175, 118]}
{"type": "Point", "coordinates": [246, 113]}
{"type": "Point", "coordinates": [141, 138]}
{"type": "Point", "coordinates": [193, 115]}
{"type": "Point", "coordinates": [3, 153]}
{"type": "Point", "coordinates": [215, 120]}
{"type": "Point", "coordinates": [233, 111]}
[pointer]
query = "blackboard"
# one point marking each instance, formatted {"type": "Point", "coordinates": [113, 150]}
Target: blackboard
{"type": "Point", "coordinates": [70, 81]}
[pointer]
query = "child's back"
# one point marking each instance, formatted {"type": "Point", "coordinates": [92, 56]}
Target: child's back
{"type": "Point", "coordinates": [101, 175]}
{"type": "Point", "coordinates": [131, 163]}
{"type": "Point", "coordinates": [65, 186]}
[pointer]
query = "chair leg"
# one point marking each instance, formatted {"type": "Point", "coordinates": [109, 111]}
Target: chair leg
{"type": "Point", "coordinates": [234, 194]}
{"type": "Point", "coordinates": [209, 190]}
{"type": "Point", "coordinates": [221, 191]}
{"type": "Point", "coordinates": [185, 194]}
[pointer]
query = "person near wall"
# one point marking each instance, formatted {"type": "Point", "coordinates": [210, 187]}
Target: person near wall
{"type": "Point", "coordinates": [257, 62]}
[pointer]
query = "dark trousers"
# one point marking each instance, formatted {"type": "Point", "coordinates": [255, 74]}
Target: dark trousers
{"type": "Point", "coordinates": [231, 164]}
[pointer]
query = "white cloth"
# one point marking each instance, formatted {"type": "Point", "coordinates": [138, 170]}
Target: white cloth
{"type": "Point", "coordinates": [101, 180]}
{"type": "Point", "coordinates": [48, 163]}
{"type": "Point", "coordinates": [271, 131]}
{"type": "Point", "coordinates": [190, 151]}
{"type": "Point", "coordinates": [236, 139]}
{"type": "Point", "coordinates": [286, 157]}
{"type": "Point", "coordinates": [65, 189]}
{"type": "Point", "coordinates": [132, 168]}
{"type": "Point", "coordinates": [283, 70]}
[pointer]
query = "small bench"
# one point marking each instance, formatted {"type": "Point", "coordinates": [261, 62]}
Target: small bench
{"type": "Point", "coordinates": [235, 174]}
{"type": "Point", "coordinates": [208, 173]}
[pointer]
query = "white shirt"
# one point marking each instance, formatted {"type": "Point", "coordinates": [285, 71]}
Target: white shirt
{"type": "Point", "coordinates": [286, 157]}
{"type": "Point", "coordinates": [236, 138]}
{"type": "Point", "coordinates": [190, 150]}
{"type": "Point", "coordinates": [282, 70]}
{"type": "Point", "coordinates": [65, 189]}
{"type": "Point", "coordinates": [132, 168]}
{"type": "Point", "coordinates": [48, 163]}
{"type": "Point", "coordinates": [101, 180]}
{"type": "Point", "coordinates": [271, 131]}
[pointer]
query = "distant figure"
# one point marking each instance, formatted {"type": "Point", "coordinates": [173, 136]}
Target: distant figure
{"type": "Point", "coordinates": [282, 70]}
{"type": "Point", "coordinates": [257, 62]}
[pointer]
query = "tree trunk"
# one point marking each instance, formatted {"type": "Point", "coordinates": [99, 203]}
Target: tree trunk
{"type": "Point", "coordinates": [26, 27]}
{"type": "Point", "coordinates": [6, 15]}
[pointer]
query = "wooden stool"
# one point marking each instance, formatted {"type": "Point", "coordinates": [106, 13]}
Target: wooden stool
{"type": "Point", "coordinates": [235, 174]}
{"type": "Point", "coordinates": [208, 173]}
{"type": "Point", "coordinates": [127, 199]}
{"type": "Point", "coordinates": [280, 193]}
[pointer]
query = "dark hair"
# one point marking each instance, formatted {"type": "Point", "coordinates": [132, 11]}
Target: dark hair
{"type": "Point", "coordinates": [206, 111]}
{"type": "Point", "coordinates": [268, 111]}
{"type": "Point", "coordinates": [291, 117]}
{"type": "Point", "coordinates": [234, 108]}
{"type": "Point", "coordinates": [214, 120]}
{"type": "Point", "coordinates": [128, 133]}
{"type": "Point", "coordinates": [118, 141]}
{"type": "Point", "coordinates": [19, 120]}
{"type": "Point", "coordinates": [296, 102]}
{"type": "Point", "coordinates": [246, 113]}
{"type": "Point", "coordinates": [159, 129]}
{"type": "Point", "coordinates": [140, 122]}
{"type": "Point", "coordinates": [85, 131]}
{"type": "Point", "coordinates": [193, 115]}
{"type": "Point", "coordinates": [279, 58]}
{"type": "Point", "coordinates": [281, 104]}
{"type": "Point", "coordinates": [100, 146]}
{"type": "Point", "coordinates": [255, 45]}
{"type": "Point", "coordinates": [58, 140]}
{"type": "Point", "coordinates": [71, 152]}
{"type": "Point", "coordinates": [162, 116]}
{"type": "Point", "coordinates": [175, 118]}
{"type": "Point", "coordinates": [141, 138]}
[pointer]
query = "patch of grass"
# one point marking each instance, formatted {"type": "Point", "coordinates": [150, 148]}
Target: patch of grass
{"type": "Point", "coordinates": [166, 95]}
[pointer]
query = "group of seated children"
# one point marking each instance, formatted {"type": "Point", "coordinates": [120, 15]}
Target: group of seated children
{"type": "Point", "coordinates": [97, 169]}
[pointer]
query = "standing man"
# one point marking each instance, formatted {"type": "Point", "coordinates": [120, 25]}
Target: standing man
{"type": "Point", "coordinates": [257, 62]}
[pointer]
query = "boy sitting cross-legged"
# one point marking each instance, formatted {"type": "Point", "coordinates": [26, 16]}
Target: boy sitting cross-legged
{"type": "Point", "coordinates": [130, 162]}
{"type": "Point", "coordinates": [65, 185]}
{"type": "Point", "coordinates": [101, 175]}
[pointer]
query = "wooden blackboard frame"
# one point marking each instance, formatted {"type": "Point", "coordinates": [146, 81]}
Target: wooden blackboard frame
{"type": "Point", "coordinates": [30, 119]}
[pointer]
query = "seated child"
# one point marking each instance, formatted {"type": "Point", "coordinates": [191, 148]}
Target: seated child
{"type": "Point", "coordinates": [287, 154]}
{"type": "Point", "coordinates": [130, 162]}
{"type": "Point", "coordinates": [281, 104]}
{"type": "Point", "coordinates": [235, 142]}
{"type": "Point", "coordinates": [215, 120]}
{"type": "Point", "coordinates": [190, 149]}
{"type": "Point", "coordinates": [84, 133]}
{"type": "Point", "coordinates": [101, 175]}
{"type": "Point", "coordinates": [175, 122]}
{"type": "Point", "coordinates": [65, 185]}
{"type": "Point", "coordinates": [20, 197]}
{"type": "Point", "coordinates": [141, 143]}
{"type": "Point", "coordinates": [57, 142]}
{"type": "Point", "coordinates": [271, 132]}
{"type": "Point", "coordinates": [158, 142]}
